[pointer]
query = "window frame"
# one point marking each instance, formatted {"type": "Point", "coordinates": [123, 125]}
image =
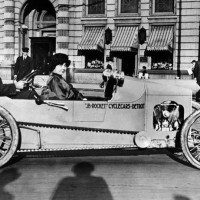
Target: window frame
{"type": "Point", "coordinates": [152, 6]}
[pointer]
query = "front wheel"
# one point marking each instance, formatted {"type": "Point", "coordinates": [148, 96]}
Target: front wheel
{"type": "Point", "coordinates": [195, 106]}
{"type": "Point", "coordinates": [178, 153]}
{"type": "Point", "coordinates": [9, 136]}
{"type": "Point", "coordinates": [190, 138]}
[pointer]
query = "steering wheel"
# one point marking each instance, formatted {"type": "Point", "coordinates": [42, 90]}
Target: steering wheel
{"type": "Point", "coordinates": [29, 78]}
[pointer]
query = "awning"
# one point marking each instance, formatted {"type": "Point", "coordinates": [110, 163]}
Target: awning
{"type": "Point", "coordinates": [126, 39]}
{"type": "Point", "coordinates": [161, 39]}
{"type": "Point", "coordinates": [93, 39]}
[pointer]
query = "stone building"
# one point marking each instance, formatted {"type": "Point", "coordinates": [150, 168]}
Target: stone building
{"type": "Point", "coordinates": [78, 29]}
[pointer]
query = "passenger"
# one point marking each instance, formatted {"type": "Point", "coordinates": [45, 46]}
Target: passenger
{"type": "Point", "coordinates": [57, 85]}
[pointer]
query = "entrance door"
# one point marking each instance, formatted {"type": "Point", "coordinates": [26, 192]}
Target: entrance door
{"type": "Point", "coordinates": [41, 51]}
{"type": "Point", "coordinates": [128, 64]}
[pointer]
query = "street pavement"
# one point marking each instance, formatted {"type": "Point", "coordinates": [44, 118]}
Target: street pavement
{"type": "Point", "coordinates": [105, 175]}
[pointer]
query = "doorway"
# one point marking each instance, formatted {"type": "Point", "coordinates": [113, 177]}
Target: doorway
{"type": "Point", "coordinates": [128, 63]}
{"type": "Point", "coordinates": [42, 48]}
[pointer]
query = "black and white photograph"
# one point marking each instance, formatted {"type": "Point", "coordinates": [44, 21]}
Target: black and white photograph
{"type": "Point", "coordinates": [99, 100]}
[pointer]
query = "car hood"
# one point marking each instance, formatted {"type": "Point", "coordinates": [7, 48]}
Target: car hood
{"type": "Point", "coordinates": [134, 88]}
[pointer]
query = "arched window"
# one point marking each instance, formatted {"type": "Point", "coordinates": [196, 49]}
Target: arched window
{"type": "Point", "coordinates": [49, 17]}
{"type": "Point", "coordinates": [46, 24]}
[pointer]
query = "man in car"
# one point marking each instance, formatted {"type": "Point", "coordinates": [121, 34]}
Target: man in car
{"type": "Point", "coordinates": [15, 90]}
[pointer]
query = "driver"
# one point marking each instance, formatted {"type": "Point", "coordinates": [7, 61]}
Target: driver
{"type": "Point", "coordinates": [15, 90]}
{"type": "Point", "coordinates": [57, 84]}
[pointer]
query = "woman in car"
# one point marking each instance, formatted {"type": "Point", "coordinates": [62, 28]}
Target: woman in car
{"type": "Point", "coordinates": [57, 85]}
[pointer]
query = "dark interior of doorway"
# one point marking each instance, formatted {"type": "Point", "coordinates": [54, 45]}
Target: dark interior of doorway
{"type": "Point", "coordinates": [41, 51]}
{"type": "Point", "coordinates": [128, 63]}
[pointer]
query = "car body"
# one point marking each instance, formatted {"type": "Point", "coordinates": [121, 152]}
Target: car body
{"type": "Point", "coordinates": [141, 114]}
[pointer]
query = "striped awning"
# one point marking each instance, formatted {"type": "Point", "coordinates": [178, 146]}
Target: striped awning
{"type": "Point", "coordinates": [93, 39]}
{"type": "Point", "coordinates": [161, 39]}
{"type": "Point", "coordinates": [126, 39]}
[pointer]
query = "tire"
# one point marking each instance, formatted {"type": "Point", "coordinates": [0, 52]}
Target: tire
{"type": "Point", "coordinates": [190, 138]}
{"type": "Point", "coordinates": [195, 106]}
{"type": "Point", "coordinates": [9, 136]}
{"type": "Point", "coordinates": [178, 153]}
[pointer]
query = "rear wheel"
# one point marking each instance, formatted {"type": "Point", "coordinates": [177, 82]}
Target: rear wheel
{"type": "Point", "coordinates": [9, 136]}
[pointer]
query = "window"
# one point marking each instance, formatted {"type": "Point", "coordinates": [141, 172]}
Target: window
{"type": "Point", "coordinates": [9, 45]}
{"type": "Point", "coordinates": [63, 8]}
{"type": "Point", "coordinates": [129, 6]}
{"type": "Point", "coordinates": [46, 21]}
{"type": "Point", "coordinates": [49, 17]}
{"type": "Point", "coordinates": [9, 33]}
{"type": "Point", "coordinates": [162, 60]}
{"type": "Point", "coordinates": [63, 33]}
{"type": "Point", "coordinates": [9, 22]}
{"type": "Point", "coordinates": [9, 9]}
{"type": "Point", "coordinates": [63, 20]}
{"type": "Point", "coordinates": [163, 6]}
{"type": "Point", "coordinates": [9, 57]}
{"type": "Point", "coordinates": [63, 45]}
{"type": "Point", "coordinates": [96, 7]}
{"type": "Point", "coordinates": [94, 60]}
{"type": "Point", "coordinates": [160, 47]}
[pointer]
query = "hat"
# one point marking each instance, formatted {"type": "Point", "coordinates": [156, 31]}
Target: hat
{"type": "Point", "coordinates": [193, 61]}
{"type": "Point", "coordinates": [109, 67]}
{"type": "Point", "coordinates": [59, 59]}
{"type": "Point", "coordinates": [25, 49]}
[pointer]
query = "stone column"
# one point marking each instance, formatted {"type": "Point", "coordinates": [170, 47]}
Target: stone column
{"type": "Point", "coordinates": [9, 30]}
{"type": "Point", "coordinates": [9, 37]}
{"type": "Point", "coordinates": [62, 35]}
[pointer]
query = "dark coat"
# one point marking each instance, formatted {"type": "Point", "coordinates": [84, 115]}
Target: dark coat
{"type": "Point", "coordinates": [7, 89]}
{"type": "Point", "coordinates": [60, 87]}
{"type": "Point", "coordinates": [62, 90]}
{"type": "Point", "coordinates": [196, 72]}
{"type": "Point", "coordinates": [23, 67]}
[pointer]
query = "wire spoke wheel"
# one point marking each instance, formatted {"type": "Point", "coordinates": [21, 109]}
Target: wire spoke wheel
{"type": "Point", "coordinates": [178, 153]}
{"type": "Point", "coordinates": [9, 136]}
{"type": "Point", "coordinates": [190, 138]}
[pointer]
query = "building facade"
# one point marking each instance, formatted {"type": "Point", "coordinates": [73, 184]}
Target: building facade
{"type": "Point", "coordinates": [162, 35]}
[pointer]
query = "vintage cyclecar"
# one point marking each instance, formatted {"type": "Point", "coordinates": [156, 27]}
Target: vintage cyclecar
{"type": "Point", "coordinates": [140, 114]}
